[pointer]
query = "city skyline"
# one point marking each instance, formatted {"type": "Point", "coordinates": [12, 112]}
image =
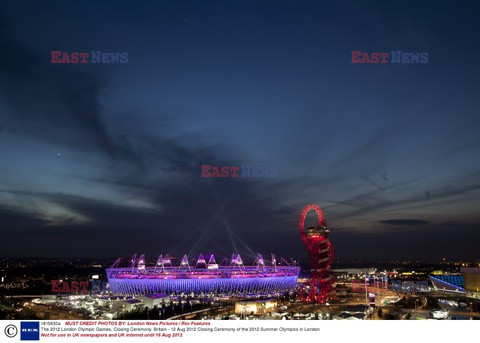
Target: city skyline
{"type": "Point", "coordinates": [104, 160]}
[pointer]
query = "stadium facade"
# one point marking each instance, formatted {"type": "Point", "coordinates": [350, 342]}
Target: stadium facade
{"type": "Point", "coordinates": [199, 277]}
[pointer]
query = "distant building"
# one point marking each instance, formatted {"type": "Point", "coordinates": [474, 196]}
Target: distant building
{"type": "Point", "coordinates": [158, 299]}
{"type": "Point", "coordinates": [471, 277]}
{"type": "Point", "coordinates": [261, 306]}
{"type": "Point", "coordinates": [127, 305]}
{"type": "Point", "coordinates": [354, 271]}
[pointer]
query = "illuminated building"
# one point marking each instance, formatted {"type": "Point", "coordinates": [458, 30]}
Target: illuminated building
{"type": "Point", "coordinates": [471, 279]}
{"type": "Point", "coordinates": [448, 283]}
{"type": "Point", "coordinates": [261, 306]}
{"type": "Point", "coordinates": [152, 300]}
{"type": "Point", "coordinates": [231, 277]}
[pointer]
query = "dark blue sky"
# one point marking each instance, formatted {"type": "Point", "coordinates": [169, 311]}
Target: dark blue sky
{"type": "Point", "coordinates": [104, 160]}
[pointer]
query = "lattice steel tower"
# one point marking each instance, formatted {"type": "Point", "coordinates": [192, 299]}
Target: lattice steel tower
{"type": "Point", "coordinates": [320, 255]}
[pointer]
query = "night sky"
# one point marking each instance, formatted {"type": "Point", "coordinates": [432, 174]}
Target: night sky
{"type": "Point", "coordinates": [103, 160]}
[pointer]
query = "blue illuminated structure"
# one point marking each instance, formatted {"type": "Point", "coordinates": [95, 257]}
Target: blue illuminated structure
{"type": "Point", "coordinates": [448, 283]}
{"type": "Point", "coordinates": [234, 278]}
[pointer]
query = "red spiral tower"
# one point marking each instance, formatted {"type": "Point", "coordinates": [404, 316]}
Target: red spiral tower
{"type": "Point", "coordinates": [320, 255]}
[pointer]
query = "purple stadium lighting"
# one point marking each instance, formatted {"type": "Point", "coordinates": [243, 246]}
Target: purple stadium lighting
{"type": "Point", "coordinates": [231, 278]}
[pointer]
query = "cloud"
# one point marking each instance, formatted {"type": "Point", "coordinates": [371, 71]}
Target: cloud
{"type": "Point", "coordinates": [403, 222]}
{"type": "Point", "coordinates": [55, 103]}
{"type": "Point", "coordinates": [12, 219]}
{"type": "Point", "coordinates": [129, 173]}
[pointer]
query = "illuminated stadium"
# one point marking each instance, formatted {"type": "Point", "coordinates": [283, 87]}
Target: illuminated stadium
{"type": "Point", "coordinates": [199, 277]}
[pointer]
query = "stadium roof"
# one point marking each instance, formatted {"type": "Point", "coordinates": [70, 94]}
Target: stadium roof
{"type": "Point", "coordinates": [448, 282]}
